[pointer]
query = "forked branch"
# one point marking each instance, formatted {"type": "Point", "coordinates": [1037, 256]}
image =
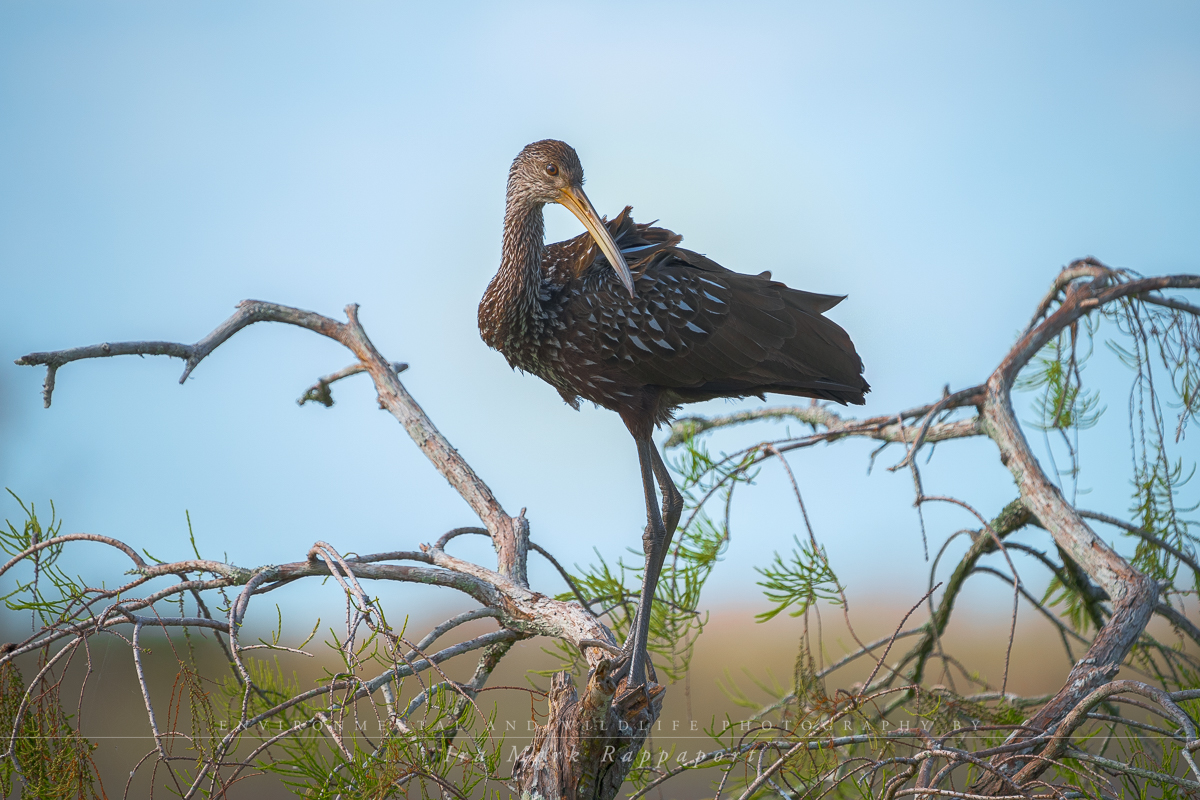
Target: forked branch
{"type": "Point", "coordinates": [1080, 289]}
{"type": "Point", "coordinates": [503, 592]}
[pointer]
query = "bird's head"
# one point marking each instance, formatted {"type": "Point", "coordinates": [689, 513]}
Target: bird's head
{"type": "Point", "coordinates": [549, 172]}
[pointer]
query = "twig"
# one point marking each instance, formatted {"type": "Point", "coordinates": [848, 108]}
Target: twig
{"type": "Point", "coordinates": [454, 622]}
{"type": "Point", "coordinates": [1157, 541]}
{"type": "Point", "coordinates": [141, 676]}
{"type": "Point", "coordinates": [1168, 302]}
{"type": "Point", "coordinates": [892, 640]}
{"type": "Point", "coordinates": [319, 391]}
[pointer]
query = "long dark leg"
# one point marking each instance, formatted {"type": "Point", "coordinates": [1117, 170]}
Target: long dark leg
{"type": "Point", "coordinates": [672, 500]}
{"type": "Point", "coordinates": [655, 542]}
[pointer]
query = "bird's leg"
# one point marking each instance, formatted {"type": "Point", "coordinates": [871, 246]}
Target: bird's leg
{"type": "Point", "coordinates": [654, 542]}
{"type": "Point", "coordinates": [672, 500]}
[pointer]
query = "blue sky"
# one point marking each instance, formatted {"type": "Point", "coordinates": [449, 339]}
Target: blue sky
{"type": "Point", "coordinates": [938, 162]}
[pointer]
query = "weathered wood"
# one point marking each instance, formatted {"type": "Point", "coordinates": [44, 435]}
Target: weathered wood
{"type": "Point", "coordinates": [520, 610]}
{"type": "Point", "coordinates": [1133, 595]}
{"type": "Point", "coordinates": [587, 746]}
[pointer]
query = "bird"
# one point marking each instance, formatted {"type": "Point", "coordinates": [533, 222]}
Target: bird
{"type": "Point", "coordinates": [625, 318]}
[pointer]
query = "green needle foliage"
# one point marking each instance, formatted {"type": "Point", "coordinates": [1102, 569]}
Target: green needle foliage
{"type": "Point", "coordinates": [49, 758]}
{"type": "Point", "coordinates": [47, 604]}
{"type": "Point", "coordinates": [340, 749]}
{"type": "Point", "coordinates": [53, 761]}
{"type": "Point", "coordinates": [803, 580]}
{"type": "Point", "coordinates": [1056, 374]}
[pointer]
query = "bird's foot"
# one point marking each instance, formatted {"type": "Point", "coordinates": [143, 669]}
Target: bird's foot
{"type": "Point", "coordinates": [621, 665]}
{"type": "Point", "coordinates": [639, 706]}
{"type": "Point", "coordinates": [635, 667]}
{"type": "Point", "coordinates": [626, 693]}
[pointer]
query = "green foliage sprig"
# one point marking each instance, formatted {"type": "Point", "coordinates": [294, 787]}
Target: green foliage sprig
{"type": "Point", "coordinates": [801, 581]}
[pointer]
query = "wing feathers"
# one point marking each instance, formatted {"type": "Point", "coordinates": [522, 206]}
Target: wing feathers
{"type": "Point", "coordinates": [700, 330]}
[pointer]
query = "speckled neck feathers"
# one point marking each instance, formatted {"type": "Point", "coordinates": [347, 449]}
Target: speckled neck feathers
{"type": "Point", "coordinates": [509, 312]}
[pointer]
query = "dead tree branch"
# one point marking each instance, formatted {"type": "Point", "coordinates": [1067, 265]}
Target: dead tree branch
{"type": "Point", "coordinates": [592, 736]}
{"type": "Point", "coordinates": [503, 592]}
{"type": "Point", "coordinates": [1080, 289]}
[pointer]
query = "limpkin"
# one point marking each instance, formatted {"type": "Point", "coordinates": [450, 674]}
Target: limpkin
{"type": "Point", "coordinates": [626, 318]}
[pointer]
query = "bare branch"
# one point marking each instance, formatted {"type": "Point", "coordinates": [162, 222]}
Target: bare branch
{"type": "Point", "coordinates": [373, 685]}
{"type": "Point", "coordinates": [1179, 620]}
{"type": "Point", "coordinates": [1134, 595]}
{"type": "Point", "coordinates": [454, 622]}
{"type": "Point", "coordinates": [882, 428]}
{"type": "Point", "coordinates": [319, 391]}
{"type": "Point", "coordinates": [141, 676]}
{"type": "Point", "coordinates": [506, 532]}
{"type": "Point", "coordinates": [55, 359]}
{"type": "Point", "coordinates": [972, 396]}
{"type": "Point", "coordinates": [1083, 268]}
{"type": "Point", "coordinates": [1157, 541]}
{"type": "Point", "coordinates": [1081, 288]}
{"type": "Point", "coordinates": [1078, 715]}
{"type": "Point", "coordinates": [74, 537]}
{"type": "Point", "coordinates": [1168, 302]}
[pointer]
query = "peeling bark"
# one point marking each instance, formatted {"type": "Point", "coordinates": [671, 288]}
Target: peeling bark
{"type": "Point", "coordinates": [587, 746]}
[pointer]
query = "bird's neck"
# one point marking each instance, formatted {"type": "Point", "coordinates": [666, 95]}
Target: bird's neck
{"type": "Point", "coordinates": [510, 305]}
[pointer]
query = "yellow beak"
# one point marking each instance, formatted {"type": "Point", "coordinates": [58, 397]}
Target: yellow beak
{"type": "Point", "coordinates": [578, 204]}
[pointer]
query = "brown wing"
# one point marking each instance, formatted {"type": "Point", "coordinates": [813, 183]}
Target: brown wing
{"type": "Point", "coordinates": [703, 331]}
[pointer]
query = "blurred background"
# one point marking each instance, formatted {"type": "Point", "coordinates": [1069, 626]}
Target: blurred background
{"type": "Point", "coordinates": [937, 162]}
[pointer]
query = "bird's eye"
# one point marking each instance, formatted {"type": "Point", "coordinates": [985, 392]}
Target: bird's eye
{"type": "Point", "coordinates": [551, 169]}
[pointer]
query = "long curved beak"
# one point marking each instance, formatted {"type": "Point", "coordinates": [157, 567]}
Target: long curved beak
{"type": "Point", "coordinates": [578, 204]}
